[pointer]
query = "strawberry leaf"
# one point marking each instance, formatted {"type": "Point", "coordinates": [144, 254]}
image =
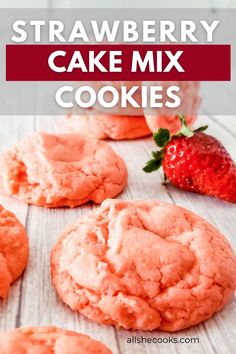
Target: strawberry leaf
{"type": "Point", "coordinates": [184, 128]}
{"type": "Point", "coordinates": [201, 129]}
{"type": "Point", "coordinates": [157, 155]}
{"type": "Point", "coordinates": [161, 137]}
{"type": "Point", "coordinates": [152, 165]}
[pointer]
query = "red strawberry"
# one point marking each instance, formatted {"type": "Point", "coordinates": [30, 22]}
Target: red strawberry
{"type": "Point", "coordinates": [195, 161]}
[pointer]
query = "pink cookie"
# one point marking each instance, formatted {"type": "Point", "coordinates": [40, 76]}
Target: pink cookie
{"type": "Point", "coordinates": [143, 265]}
{"type": "Point", "coordinates": [108, 126]}
{"type": "Point", "coordinates": [61, 170]}
{"type": "Point", "coordinates": [166, 117]}
{"type": "Point", "coordinates": [14, 250]}
{"type": "Point", "coordinates": [48, 340]}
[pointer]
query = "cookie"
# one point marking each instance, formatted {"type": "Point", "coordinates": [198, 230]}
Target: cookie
{"type": "Point", "coordinates": [143, 265]}
{"type": "Point", "coordinates": [14, 250]}
{"type": "Point", "coordinates": [49, 340]}
{"type": "Point", "coordinates": [61, 170]}
{"type": "Point", "coordinates": [109, 126]}
{"type": "Point", "coordinates": [166, 117]}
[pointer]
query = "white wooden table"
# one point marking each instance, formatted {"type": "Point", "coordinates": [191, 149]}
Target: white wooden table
{"type": "Point", "coordinates": [33, 301]}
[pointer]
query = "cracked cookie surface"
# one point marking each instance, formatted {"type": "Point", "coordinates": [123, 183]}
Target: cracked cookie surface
{"type": "Point", "coordinates": [14, 250]}
{"type": "Point", "coordinates": [49, 340]}
{"type": "Point", "coordinates": [143, 265]}
{"type": "Point", "coordinates": [109, 127]}
{"type": "Point", "coordinates": [61, 170]}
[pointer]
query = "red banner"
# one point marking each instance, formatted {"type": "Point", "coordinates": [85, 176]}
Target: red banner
{"type": "Point", "coordinates": [184, 62]}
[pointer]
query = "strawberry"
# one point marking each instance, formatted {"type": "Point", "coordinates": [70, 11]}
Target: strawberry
{"type": "Point", "coordinates": [195, 162]}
